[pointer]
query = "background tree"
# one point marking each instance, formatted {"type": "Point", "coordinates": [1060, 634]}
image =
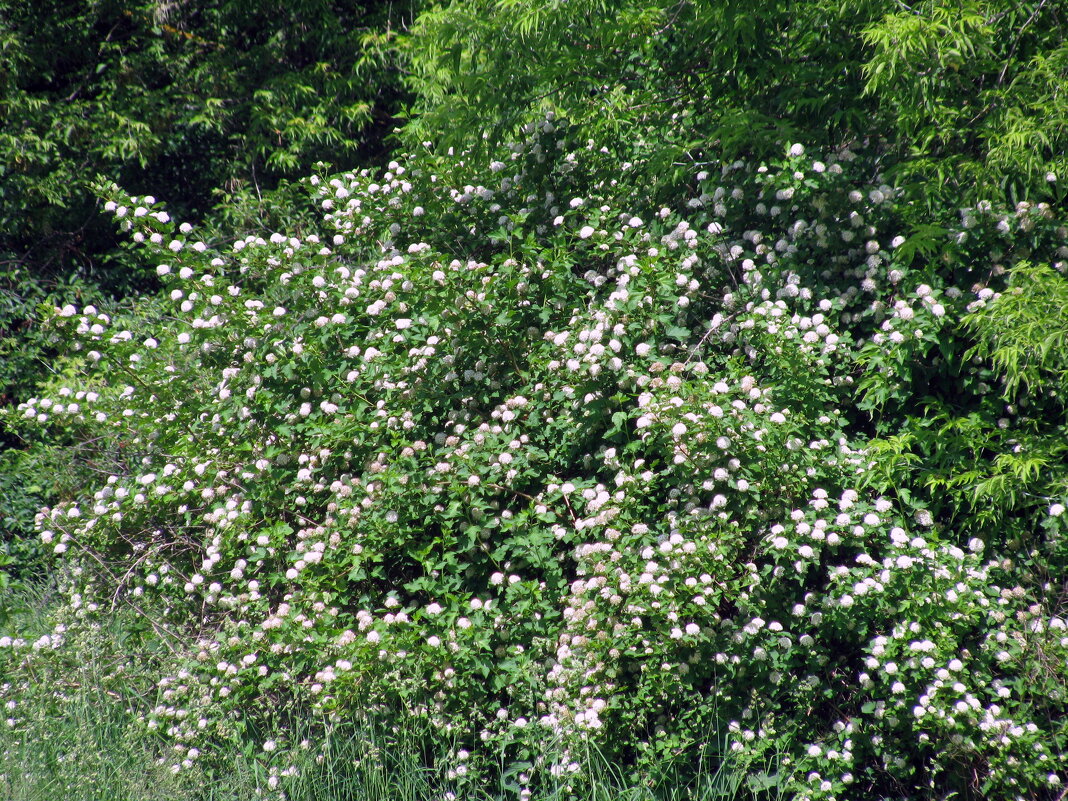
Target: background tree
{"type": "Point", "coordinates": [966, 98]}
{"type": "Point", "coordinates": [199, 101]}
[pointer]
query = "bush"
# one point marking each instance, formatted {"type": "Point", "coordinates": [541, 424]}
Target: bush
{"type": "Point", "coordinates": [510, 453]}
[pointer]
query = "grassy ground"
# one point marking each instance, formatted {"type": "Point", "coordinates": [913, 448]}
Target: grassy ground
{"type": "Point", "coordinates": [73, 734]}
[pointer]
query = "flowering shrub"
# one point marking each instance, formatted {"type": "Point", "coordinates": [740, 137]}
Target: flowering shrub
{"type": "Point", "coordinates": [510, 449]}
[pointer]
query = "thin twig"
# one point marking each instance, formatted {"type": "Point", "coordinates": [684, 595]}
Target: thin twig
{"type": "Point", "coordinates": [513, 491]}
{"type": "Point", "coordinates": [158, 627]}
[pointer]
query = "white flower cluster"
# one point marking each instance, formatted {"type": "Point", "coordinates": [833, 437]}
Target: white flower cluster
{"type": "Point", "coordinates": [525, 484]}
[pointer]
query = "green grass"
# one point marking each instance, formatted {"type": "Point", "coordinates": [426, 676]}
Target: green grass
{"type": "Point", "coordinates": [84, 748]}
{"type": "Point", "coordinates": [90, 750]}
{"type": "Point", "coordinates": [77, 737]}
{"type": "Point", "coordinates": [75, 734]}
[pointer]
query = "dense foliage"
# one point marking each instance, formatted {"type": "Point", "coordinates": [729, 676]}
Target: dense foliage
{"type": "Point", "coordinates": [201, 102]}
{"type": "Point", "coordinates": [210, 104]}
{"type": "Point", "coordinates": [610, 433]}
{"type": "Point", "coordinates": [965, 97]}
{"type": "Point", "coordinates": [188, 99]}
